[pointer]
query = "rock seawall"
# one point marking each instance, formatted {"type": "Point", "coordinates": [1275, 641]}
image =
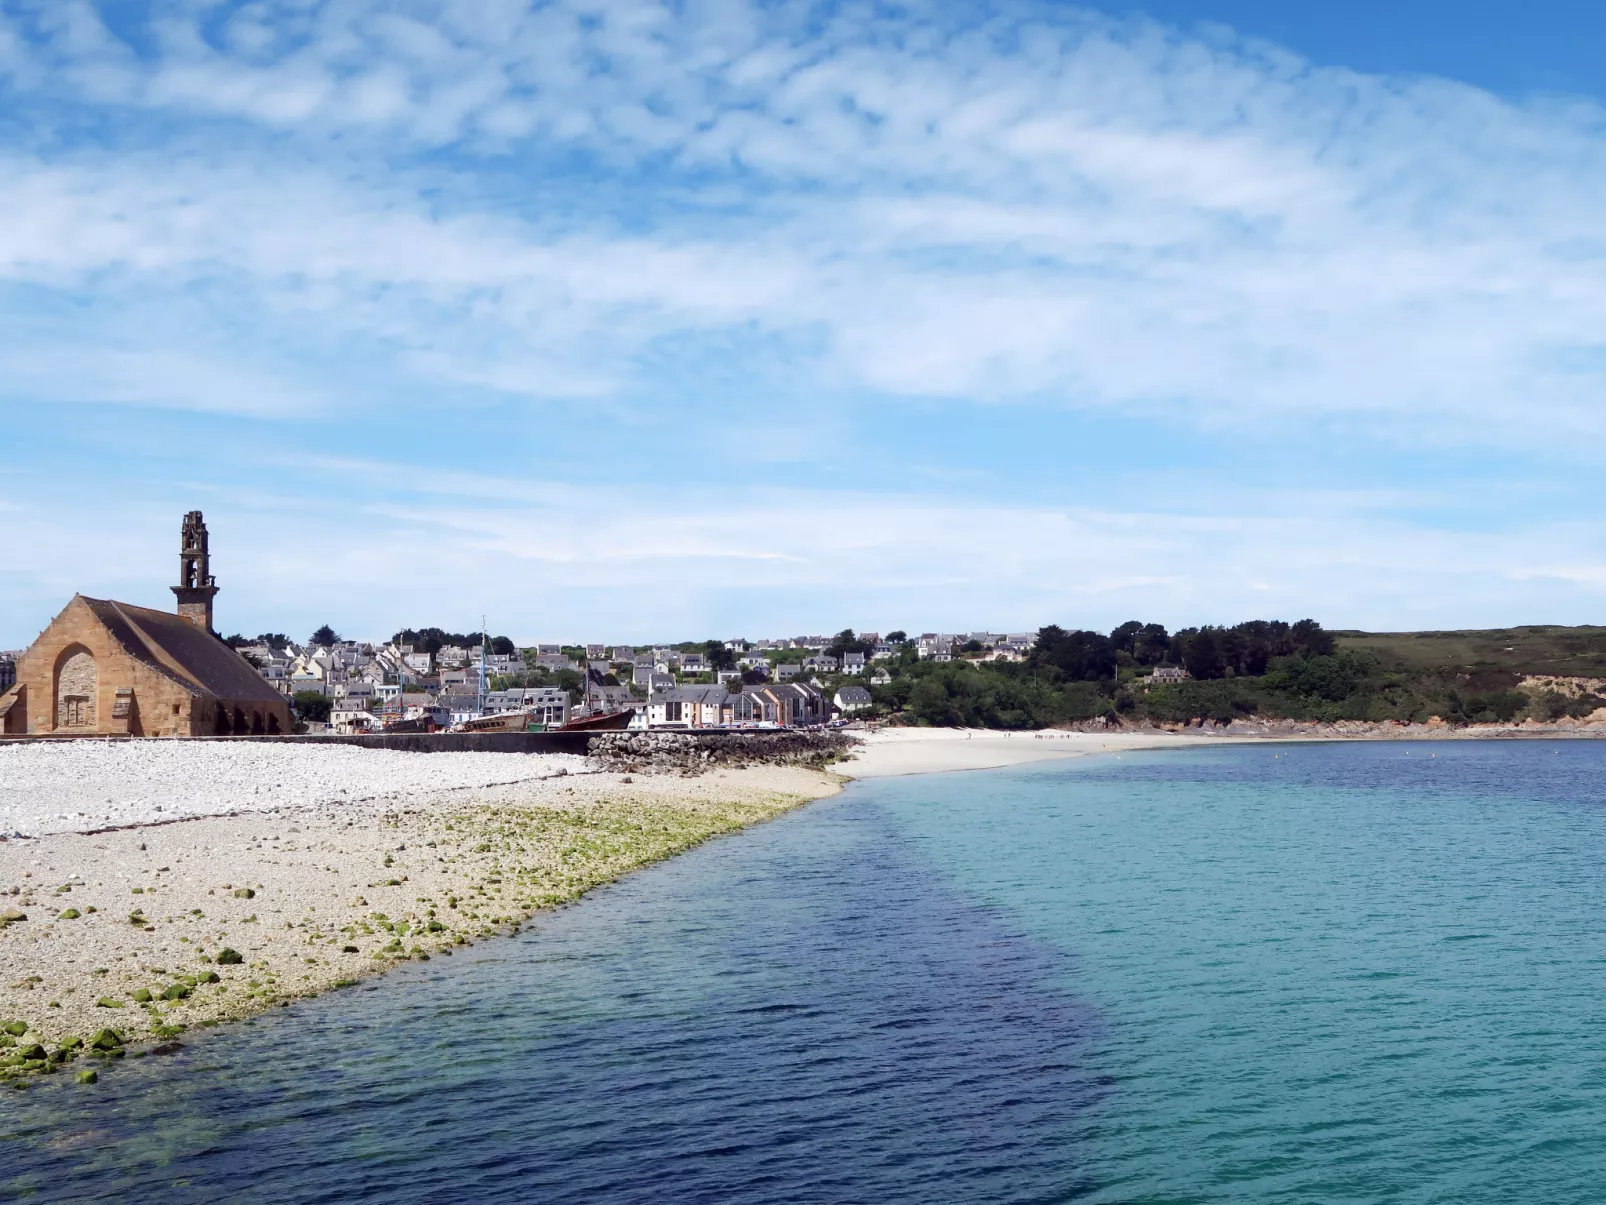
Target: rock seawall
{"type": "Point", "coordinates": [694, 752]}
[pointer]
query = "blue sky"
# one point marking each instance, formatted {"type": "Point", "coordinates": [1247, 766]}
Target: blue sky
{"type": "Point", "coordinates": [633, 321]}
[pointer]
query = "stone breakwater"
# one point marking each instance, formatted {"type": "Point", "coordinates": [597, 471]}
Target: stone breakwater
{"type": "Point", "coordinates": [696, 752]}
{"type": "Point", "coordinates": [116, 942]}
{"type": "Point", "coordinates": [84, 785]}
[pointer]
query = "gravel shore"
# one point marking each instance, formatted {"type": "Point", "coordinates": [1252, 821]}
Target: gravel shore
{"type": "Point", "coordinates": [86, 785]}
{"type": "Point", "coordinates": [154, 929]}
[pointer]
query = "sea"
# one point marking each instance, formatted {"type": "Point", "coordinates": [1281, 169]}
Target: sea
{"type": "Point", "coordinates": [1263, 973]}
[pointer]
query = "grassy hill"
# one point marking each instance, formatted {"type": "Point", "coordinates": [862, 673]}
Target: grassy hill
{"type": "Point", "coordinates": [1542, 649]}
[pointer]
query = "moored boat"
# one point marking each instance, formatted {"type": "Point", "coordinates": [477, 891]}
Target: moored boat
{"type": "Point", "coordinates": [612, 721]}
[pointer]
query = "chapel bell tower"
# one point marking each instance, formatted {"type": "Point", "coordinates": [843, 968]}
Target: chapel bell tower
{"type": "Point", "coordinates": [196, 586]}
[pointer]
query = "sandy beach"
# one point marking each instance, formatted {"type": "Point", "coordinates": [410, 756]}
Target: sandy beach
{"type": "Point", "coordinates": [897, 751]}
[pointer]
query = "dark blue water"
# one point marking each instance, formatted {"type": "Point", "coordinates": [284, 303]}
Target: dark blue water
{"type": "Point", "coordinates": [1314, 973]}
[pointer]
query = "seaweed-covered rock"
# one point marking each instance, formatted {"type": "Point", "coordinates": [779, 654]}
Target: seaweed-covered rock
{"type": "Point", "coordinates": [177, 991]}
{"type": "Point", "coordinates": [208, 977]}
{"type": "Point", "coordinates": [31, 1047]}
{"type": "Point", "coordinates": [244, 893]}
{"type": "Point", "coordinates": [229, 957]}
{"type": "Point", "coordinates": [16, 1028]}
{"type": "Point", "coordinates": [71, 914]}
{"type": "Point", "coordinates": [142, 995]}
{"type": "Point", "coordinates": [108, 1002]}
{"type": "Point", "coordinates": [106, 1039]}
{"type": "Point", "coordinates": [88, 1076]}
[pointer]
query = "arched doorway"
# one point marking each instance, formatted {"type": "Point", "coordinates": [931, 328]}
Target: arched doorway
{"type": "Point", "coordinates": [76, 684]}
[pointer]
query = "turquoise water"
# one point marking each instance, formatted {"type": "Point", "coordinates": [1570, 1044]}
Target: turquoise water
{"type": "Point", "coordinates": [1307, 973]}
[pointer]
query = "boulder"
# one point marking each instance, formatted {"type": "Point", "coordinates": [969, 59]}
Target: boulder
{"type": "Point", "coordinates": [106, 1039]}
{"type": "Point", "coordinates": [229, 957]}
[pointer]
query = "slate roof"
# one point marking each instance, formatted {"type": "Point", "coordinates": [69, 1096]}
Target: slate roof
{"type": "Point", "coordinates": [174, 646]}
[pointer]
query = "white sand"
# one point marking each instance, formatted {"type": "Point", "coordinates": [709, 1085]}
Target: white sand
{"type": "Point", "coordinates": [85, 785]}
{"type": "Point", "coordinates": [896, 751]}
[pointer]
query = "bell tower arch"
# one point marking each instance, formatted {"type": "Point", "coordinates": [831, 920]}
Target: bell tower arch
{"type": "Point", "coordinates": [196, 586]}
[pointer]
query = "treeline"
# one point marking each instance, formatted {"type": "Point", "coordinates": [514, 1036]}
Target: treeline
{"type": "Point", "coordinates": [1263, 668]}
{"type": "Point", "coordinates": [432, 640]}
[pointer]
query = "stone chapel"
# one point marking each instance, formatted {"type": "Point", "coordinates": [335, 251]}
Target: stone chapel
{"type": "Point", "coordinates": [107, 668]}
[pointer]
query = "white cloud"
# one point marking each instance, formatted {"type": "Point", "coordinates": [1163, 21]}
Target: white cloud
{"type": "Point", "coordinates": [1103, 214]}
{"type": "Point", "coordinates": [546, 559]}
{"type": "Point", "coordinates": [307, 209]}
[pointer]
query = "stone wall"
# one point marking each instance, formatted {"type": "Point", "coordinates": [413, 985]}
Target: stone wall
{"type": "Point", "coordinates": [75, 690]}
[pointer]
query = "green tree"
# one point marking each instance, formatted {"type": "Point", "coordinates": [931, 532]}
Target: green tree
{"type": "Point", "coordinates": [717, 655]}
{"type": "Point", "coordinates": [312, 707]}
{"type": "Point", "coordinates": [324, 637]}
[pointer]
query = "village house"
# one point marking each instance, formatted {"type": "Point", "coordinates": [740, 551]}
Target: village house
{"type": "Point", "coordinates": [349, 719]}
{"type": "Point", "coordinates": [850, 699]}
{"type": "Point", "coordinates": [687, 707]}
{"type": "Point", "coordinates": [104, 667]}
{"type": "Point", "coordinates": [545, 704]}
{"type": "Point", "coordinates": [853, 663]}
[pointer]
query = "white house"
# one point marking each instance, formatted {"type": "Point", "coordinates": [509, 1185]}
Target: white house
{"type": "Point", "coordinates": [349, 719]}
{"type": "Point", "coordinates": [850, 699]}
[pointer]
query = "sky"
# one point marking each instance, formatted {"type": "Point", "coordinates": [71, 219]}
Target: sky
{"type": "Point", "coordinates": [638, 321]}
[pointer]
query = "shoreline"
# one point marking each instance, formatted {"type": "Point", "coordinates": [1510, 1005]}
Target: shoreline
{"type": "Point", "coordinates": [158, 927]}
{"type": "Point", "coordinates": [896, 752]}
{"type": "Point", "coordinates": [154, 930]}
{"type": "Point", "coordinates": [899, 752]}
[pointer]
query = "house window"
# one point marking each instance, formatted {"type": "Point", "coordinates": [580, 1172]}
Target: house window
{"type": "Point", "coordinates": [77, 710]}
{"type": "Point", "coordinates": [672, 711]}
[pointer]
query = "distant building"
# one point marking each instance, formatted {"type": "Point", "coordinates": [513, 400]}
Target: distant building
{"type": "Point", "coordinates": [688, 707]}
{"type": "Point", "coordinates": [1164, 674]}
{"type": "Point", "coordinates": [850, 699]}
{"type": "Point", "coordinates": [546, 704]}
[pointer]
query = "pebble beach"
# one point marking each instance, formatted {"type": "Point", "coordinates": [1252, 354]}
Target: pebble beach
{"type": "Point", "coordinates": [152, 888]}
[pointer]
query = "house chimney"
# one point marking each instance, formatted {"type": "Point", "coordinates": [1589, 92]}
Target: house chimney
{"type": "Point", "coordinates": [196, 586]}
